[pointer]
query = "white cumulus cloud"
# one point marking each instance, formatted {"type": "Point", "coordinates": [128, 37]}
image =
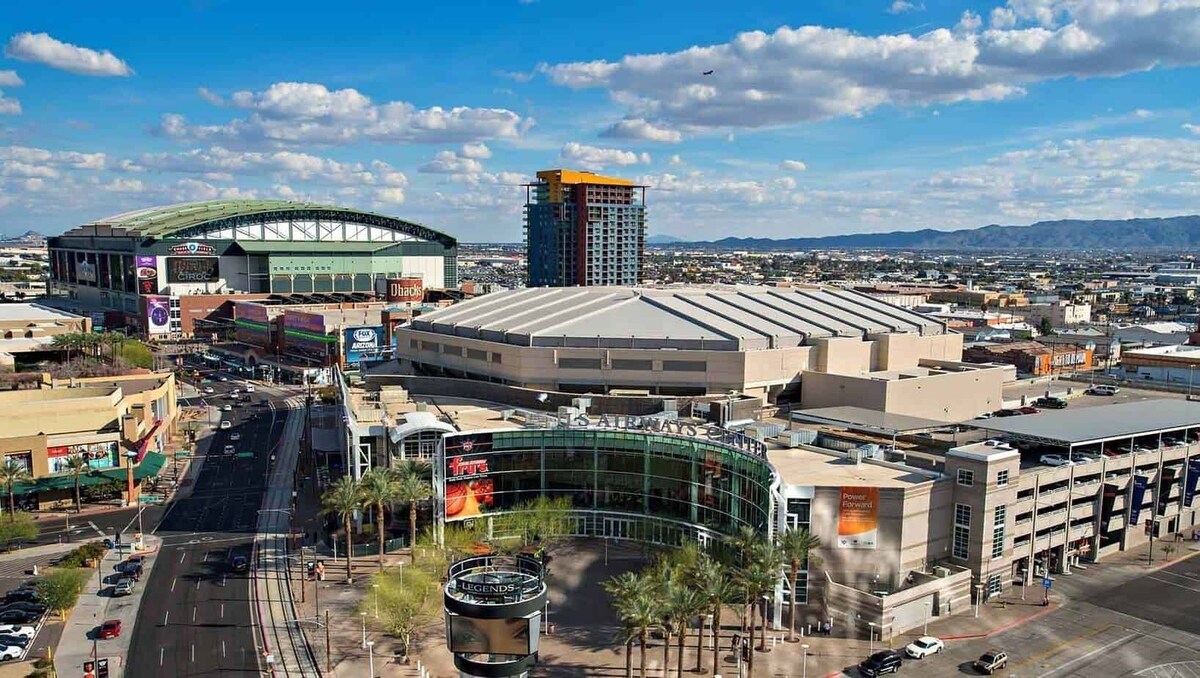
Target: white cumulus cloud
{"type": "Point", "coordinates": [793, 166]}
{"type": "Point", "coordinates": [642, 130]}
{"type": "Point", "coordinates": [592, 157]}
{"type": "Point", "coordinates": [903, 6]}
{"type": "Point", "coordinates": [791, 75]}
{"type": "Point", "coordinates": [294, 113]}
{"type": "Point", "coordinates": [448, 162]}
{"type": "Point", "coordinates": [478, 151]}
{"type": "Point", "coordinates": [41, 48]}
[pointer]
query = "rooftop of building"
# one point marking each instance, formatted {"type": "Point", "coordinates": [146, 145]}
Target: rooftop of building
{"type": "Point", "coordinates": [33, 312]}
{"type": "Point", "coordinates": [566, 176]}
{"type": "Point", "coordinates": [1026, 346]}
{"type": "Point", "coordinates": [1179, 350]}
{"type": "Point", "coordinates": [164, 221]}
{"type": "Point", "coordinates": [704, 317]}
{"type": "Point", "coordinates": [1081, 426]}
{"type": "Point", "coordinates": [798, 466]}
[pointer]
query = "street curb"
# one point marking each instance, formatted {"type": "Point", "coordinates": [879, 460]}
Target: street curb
{"type": "Point", "coordinates": [1169, 563]}
{"type": "Point", "coordinates": [1012, 624]}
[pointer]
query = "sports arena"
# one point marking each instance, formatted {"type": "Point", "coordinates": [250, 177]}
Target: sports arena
{"type": "Point", "coordinates": [170, 271]}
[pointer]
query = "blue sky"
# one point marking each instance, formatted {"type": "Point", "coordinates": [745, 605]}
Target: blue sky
{"type": "Point", "coordinates": [819, 117]}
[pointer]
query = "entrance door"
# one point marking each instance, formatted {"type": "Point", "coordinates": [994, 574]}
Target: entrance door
{"type": "Point", "coordinates": [618, 528]}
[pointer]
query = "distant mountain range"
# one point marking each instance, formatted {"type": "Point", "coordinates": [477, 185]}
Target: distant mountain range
{"type": "Point", "coordinates": [1129, 234]}
{"type": "Point", "coordinates": [663, 240]}
{"type": "Point", "coordinates": [26, 237]}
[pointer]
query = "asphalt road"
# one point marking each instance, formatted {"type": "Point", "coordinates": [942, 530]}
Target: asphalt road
{"type": "Point", "coordinates": [195, 619]}
{"type": "Point", "coordinates": [1111, 627]}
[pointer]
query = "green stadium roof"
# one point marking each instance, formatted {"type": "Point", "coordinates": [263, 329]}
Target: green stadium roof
{"type": "Point", "coordinates": [167, 220]}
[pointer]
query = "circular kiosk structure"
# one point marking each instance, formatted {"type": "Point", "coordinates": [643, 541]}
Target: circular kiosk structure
{"type": "Point", "coordinates": [494, 607]}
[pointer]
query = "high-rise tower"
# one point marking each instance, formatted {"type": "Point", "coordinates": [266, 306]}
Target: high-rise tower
{"type": "Point", "coordinates": [584, 229]}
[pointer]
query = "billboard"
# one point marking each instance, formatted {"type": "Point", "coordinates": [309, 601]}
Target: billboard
{"type": "Point", "coordinates": [469, 635]}
{"type": "Point", "coordinates": [468, 485]}
{"type": "Point", "coordinates": [85, 271]}
{"type": "Point", "coordinates": [363, 343]}
{"type": "Point", "coordinates": [304, 322]}
{"type": "Point", "coordinates": [251, 312]}
{"type": "Point", "coordinates": [147, 274]}
{"type": "Point", "coordinates": [406, 290]}
{"type": "Point", "coordinates": [193, 269]}
{"type": "Point", "coordinates": [99, 455]}
{"type": "Point", "coordinates": [158, 315]}
{"type": "Point", "coordinates": [1139, 496]}
{"type": "Point", "coordinates": [858, 517]}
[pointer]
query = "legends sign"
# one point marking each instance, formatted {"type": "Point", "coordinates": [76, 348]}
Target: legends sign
{"type": "Point", "coordinates": [716, 434]}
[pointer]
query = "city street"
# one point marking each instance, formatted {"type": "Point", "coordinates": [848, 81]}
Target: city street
{"type": "Point", "coordinates": [198, 620]}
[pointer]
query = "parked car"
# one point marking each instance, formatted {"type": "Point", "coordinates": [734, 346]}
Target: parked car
{"type": "Point", "coordinates": [1082, 457]}
{"type": "Point", "coordinates": [123, 587]}
{"type": "Point", "coordinates": [226, 424]}
{"type": "Point", "coordinates": [22, 595]}
{"type": "Point", "coordinates": [222, 378]}
{"type": "Point", "coordinates": [208, 390]}
{"type": "Point", "coordinates": [923, 647]}
{"type": "Point", "coordinates": [1028, 410]}
{"type": "Point", "coordinates": [1007, 412]}
{"type": "Point", "coordinates": [991, 661]}
{"type": "Point", "coordinates": [249, 388]}
{"type": "Point", "coordinates": [986, 415]}
{"type": "Point", "coordinates": [886, 661]}
{"type": "Point", "coordinates": [1054, 460]}
{"type": "Point", "coordinates": [11, 652]}
{"type": "Point", "coordinates": [35, 608]}
{"type": "Point", "coordinates": [19, 641]}
{"type": "Point", "coordinates": [1051, 403]}
{"type": "Point", "coordinates": [17, 617]}
{"type": "Point", "coordinates": [109, 629]}
{"type": "Point", "coordinates": [1103, 390]}
{"type": "Point", "coordinates": [239, 564]}
{"type": "Point", "coordinates": [17, 630]}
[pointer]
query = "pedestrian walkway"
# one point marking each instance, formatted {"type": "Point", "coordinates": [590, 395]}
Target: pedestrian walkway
{"type": "Point", "coordinates": [79, 642]}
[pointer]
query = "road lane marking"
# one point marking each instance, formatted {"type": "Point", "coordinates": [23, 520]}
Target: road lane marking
{"type": "Point", "coordinates": [1167, 581]}
{"type": "Point", "coordinates": [1119, 641]}
{"type": "Point", "coordinates": [173, 580]}
{"type": "Point", "coordinates": [222, 612]}
{"type": "Point", "coordinates": [193, 615]}
{"type": "Point", "coordinates": [206, 554]}
{"type": "Point", "coordinates": [197, 583]}
{"type": "Point", "coordinates": [182, 554]}
{"type": "Point", "coordinates": [98, 530]}
{"type": "Point", "coordinates": [166, 617]}
{"type": "Point", "coordinates": [160, 656]}
{"type": "Point", "coordinates": [193, 654]}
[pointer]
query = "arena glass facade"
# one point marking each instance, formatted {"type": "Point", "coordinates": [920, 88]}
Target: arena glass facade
{"type": "Point", "coordinates": [652, 487]}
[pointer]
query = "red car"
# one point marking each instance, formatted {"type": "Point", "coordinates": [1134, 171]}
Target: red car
{"type": "Point", "coordinates": [1028, 410]}
{"type": "Point", "coordinates": [110, 629]}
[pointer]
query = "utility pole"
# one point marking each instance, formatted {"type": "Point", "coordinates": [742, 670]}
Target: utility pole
{"type": "Point", "coordinates": [328, 651]}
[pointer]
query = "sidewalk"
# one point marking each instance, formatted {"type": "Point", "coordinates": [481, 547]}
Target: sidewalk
{"type": "Point", "coordinates": [97, 605]}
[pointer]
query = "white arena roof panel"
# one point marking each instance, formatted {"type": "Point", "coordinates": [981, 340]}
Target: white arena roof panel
{"type": "Point", "coordinates": [712, 317]}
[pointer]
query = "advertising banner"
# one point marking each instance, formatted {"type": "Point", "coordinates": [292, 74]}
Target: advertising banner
{"type": "Point", "coordinates": [85, 271]}
{"type": "Point", "coordinates": [1193, 474]}
{"type": "Point", "coordinates": [1165, 480]}
{"type": "Point", "coordinates": [304, 322]}
{"type": "Point", "coordinates": [193, 269]}
{"type": "Point", "coordinates": [98, 455]}
{"type": "Point", "coordinates": [492, 636]}
{"type": "Point", "coordinates": [858, 518]}
{"type": "Point", "coordinates": [363, 343]}
{"type": "Point", "coordinates": [468, 485]}
{"type": "Point", "coordinates": [306, 331]}
{"type": "Point", "coordinates": [158, 315]}
{"type": "Point", "coordinates": [250, 311]}
{"type": "Point", "coordinates": [147, 274]}
{"type": "Point", "coordinates": [406, 290]}
{"type": "Point", "coordinates": [1139, 496]}
{"type": "Point", "coordinates": [22, 459]}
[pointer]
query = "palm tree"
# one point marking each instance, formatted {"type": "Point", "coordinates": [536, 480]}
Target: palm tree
{"type": "Point", "coordinates": [11, 473]}
{"type": "Point", "coordinates": [638, 604]}
{"type": "Point", "coordinates": [379, 489]}
{"type": "Point", "coordinates": [758, 579]}
{"type": "Point", "coordinates": [77, 465]}
{"type": "Point", "coordinates": [343, 499]}
{"type": "Point", "coordinates": [682, 603]}
{"type": "Point", "coordinates": [412, 489]}
{"type": "Point", "coordinates": [797, 545]}
{"type": "Point", "coordinates": [712, 581]}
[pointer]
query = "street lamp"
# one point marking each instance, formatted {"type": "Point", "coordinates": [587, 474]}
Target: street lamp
{"type": "Point", "coordinates": [371, 647]}
{"type": "Point", "coordinates": [804, 661]}
{"type": "Point", "coordinates": [978, 594]}
{"type": "Point", "coordinates": [872, 635]}
{"type": "Point", "coordinates": [364, 630]}
{"type": "Point", "coordinates": [376, 588]}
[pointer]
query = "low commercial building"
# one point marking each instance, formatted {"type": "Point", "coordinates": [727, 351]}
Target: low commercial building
{"type": "Point", "coordinates": [120, 425]}
{"type": "Point", "coordinates": [1059, 313]}
{"type": "Point", "coordinates": [30, 328]}
{"type": "Point", "coordinates": [1174, 364]}
{"type": "Point", "coordinates": [1031, 357]}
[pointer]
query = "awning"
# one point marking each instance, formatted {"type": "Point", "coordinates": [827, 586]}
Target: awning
{"type": "Point", "coordinates": [151, 464]}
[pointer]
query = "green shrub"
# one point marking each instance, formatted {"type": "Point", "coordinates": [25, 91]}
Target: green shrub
{"type": "Point", "coordinates": [61, 588]}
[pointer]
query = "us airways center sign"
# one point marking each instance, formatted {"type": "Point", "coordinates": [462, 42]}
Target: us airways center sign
{"type": "Point", "coordinates": [711, 432]}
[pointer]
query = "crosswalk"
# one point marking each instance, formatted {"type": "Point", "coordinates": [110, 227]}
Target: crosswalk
{"type": "Point", "coordinates": [1174, 670]}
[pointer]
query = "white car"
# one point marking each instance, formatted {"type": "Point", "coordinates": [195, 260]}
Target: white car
{"type": "Point", "coordinates": [1103, 390]}
{"type": "Point", "coordinates": [17, 630]}
{"type": "Point", "coordinates": [923, 647]}
{"type": "Point", "coordinates": [208, 390]}
{"type": "Point", "coordinates": [235, 436]}
{"type": "Point", "coordinates": [11, 652]}
{"type": "Point", "coordinates": [1055, 460]}
{"type": "Point", "coordinates": [223, 378]}
{"type": "Point", "coordinates": [227, 408]}
{"type": "Point", "coordinates": [226, 424]}
{"type": "Point", "coordinates": [249, 388]}
{"type": "Point", "coordinates": [229, 449]}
